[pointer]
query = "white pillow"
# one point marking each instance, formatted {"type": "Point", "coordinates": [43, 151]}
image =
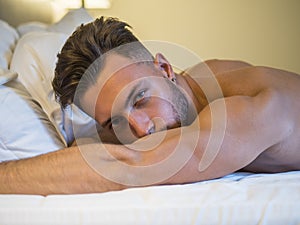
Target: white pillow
{"type": "Point", "coordinates": [8, 39]}
{"type": "Point", "coordinates": [34, 60]}
{"type": "Point", "coordinates": [25, 130]}
{"type": "Point", "coordinates": [71, 21]}
{"type": "Point", "coordinates": [66, 24]}
{"type": "Point", "coordinates": [7, 75]}
{"type": "Point", "coordinates": [34, 26]}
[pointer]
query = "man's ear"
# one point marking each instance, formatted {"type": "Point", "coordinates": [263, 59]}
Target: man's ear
{"type": "Point", "coordinates": [163, 64]}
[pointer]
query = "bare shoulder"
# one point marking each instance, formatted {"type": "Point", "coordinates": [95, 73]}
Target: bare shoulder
{"type": "Point", "coordinates": [216, 66]}
{"type": "Point", "coordinates": [220, 66]}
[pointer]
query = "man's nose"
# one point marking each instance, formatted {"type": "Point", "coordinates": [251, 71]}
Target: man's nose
{"type": "Point", "coordinates": [140, 123]}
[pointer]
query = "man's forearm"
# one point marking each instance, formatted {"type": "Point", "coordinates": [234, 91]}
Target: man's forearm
{"type": "Point", "coordinates": [175, 160]}
{"type": "Point", "coordinates": [73, 170]}
{"type": "Point", "coordinates": [63, 171]}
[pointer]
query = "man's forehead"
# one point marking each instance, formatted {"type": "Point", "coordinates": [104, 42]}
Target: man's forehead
{"type": "Point", "coordinates": [112, 64]}
{"type": "Point", "coordinates": [115, 64]}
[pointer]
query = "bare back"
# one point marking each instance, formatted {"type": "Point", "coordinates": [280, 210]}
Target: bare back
{"type": "Point", "coordinates": [250, 81]}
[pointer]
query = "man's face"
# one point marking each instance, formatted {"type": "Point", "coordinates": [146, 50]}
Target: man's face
{"type": "Point", "coordinates": [132, 100]}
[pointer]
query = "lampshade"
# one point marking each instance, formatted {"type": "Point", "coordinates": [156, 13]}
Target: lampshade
{"type": "Point", "coordinates": [89, 4]}
{"type": "Point", "coordinates": [96, 4]}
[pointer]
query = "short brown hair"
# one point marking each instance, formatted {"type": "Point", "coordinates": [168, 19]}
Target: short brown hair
{"type": "Point", "coordinates": [83, 47]}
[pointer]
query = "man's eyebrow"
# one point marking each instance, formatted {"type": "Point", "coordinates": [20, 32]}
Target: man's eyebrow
{"type": "Point", "coordinates": [129, 97]}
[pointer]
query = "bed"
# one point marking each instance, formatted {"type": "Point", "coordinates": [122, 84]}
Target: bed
{"type": "Point", "coordinates": [27, 61]}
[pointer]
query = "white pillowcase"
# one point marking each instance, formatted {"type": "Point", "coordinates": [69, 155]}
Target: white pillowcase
{"type": "Point", "coordinates": [32, 122]}
{"type": "Point", "coordinates": [66, 24]}
{"type": "Point", "coordinates": [7, 75]}
{"type": "Point", "coordinates": [34, 60]}
{"type": "Point", "coordinates": [33, 26]}
{"type": "Point", "coordinates": [8, 39]}
{"type": "Point", "coordinates": [71, 21]}
{"type": "Point", "coordinates": [25, 130]}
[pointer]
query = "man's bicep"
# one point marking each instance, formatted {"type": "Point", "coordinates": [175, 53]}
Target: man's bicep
{"type": "Point", "coordinates": [232, 123]}
{"type": "Point", "coordinates": [233, 131]}
{"type": "Point", "coordinates": [224, 140]}
{"type": "Point", "coordinates": [228, 128]}
{"type": "Point", "coordinates": [248, 118]}
{"type": "Point", "coordinates": [223, 146]}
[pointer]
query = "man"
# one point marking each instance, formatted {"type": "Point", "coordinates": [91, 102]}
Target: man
{"type": "Point", "coordinates": [161, 127]}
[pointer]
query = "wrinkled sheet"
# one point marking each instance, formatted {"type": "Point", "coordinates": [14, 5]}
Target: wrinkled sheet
{"type": "Point", "coordinates": [239, 198]}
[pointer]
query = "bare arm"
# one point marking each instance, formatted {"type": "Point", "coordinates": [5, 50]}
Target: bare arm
{"type": "Point", "coordinates": [250, 129]}
{"type": "Point", "coordinates": [63, 171]}
{"type": "Point", "coordinates": [66, 171]}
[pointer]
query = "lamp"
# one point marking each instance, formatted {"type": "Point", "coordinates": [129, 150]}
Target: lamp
{"type": "Point", "coordinates": [88, 4]}
{"type": "Point", "coordinates": [95, 4]}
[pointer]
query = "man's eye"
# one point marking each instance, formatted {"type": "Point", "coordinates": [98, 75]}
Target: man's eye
{"type": "Point", "coordinates": [140, 98]}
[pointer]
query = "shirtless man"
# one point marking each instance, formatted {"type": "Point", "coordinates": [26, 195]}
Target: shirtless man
{"type": "Point", "coordinates": [253, 119]}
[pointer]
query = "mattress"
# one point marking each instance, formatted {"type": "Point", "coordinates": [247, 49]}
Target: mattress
{"type": "Point", "coordinates": [239, 198]}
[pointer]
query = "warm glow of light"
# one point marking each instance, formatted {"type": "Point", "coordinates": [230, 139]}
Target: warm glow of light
{"type": "Point", "coordinates": [70, 4]}
{"type": "Point", "coordinates": [89, 4]}
{"type": "Point", "coordinates": [99, 4]}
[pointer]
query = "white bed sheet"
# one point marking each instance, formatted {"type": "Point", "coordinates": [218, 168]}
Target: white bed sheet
{"type": "Point", "coordinates": [239, 198]}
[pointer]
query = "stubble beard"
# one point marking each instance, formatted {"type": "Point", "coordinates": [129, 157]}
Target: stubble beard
{"type": "Point", "coordinates": [179, 106]}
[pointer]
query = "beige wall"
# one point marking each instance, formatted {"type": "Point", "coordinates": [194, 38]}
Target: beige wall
{"type": "Point", "coordinates": [19, 11]}
{"type": "Point", "coordinates": [262, 32]}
